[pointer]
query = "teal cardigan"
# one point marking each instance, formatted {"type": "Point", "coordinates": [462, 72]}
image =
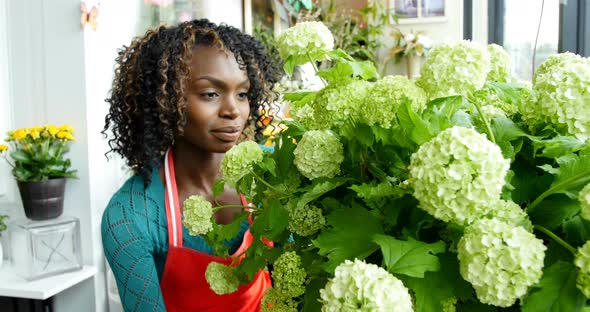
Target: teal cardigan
{"type": "Point", "coordinates": [135, 241]}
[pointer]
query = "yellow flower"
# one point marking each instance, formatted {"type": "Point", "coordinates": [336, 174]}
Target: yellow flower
{"type": "Point", "coordinates": [67, 128]}
{"type": "Point", "coordinates": [3, 147]}
{"type": "Point", "coordinates": [53, 130]}
{"type": "Point", "coordinates": [65, 135]}
{"type": "Point", "coordinates": [19, 134]}
{"type": "Point", "coordinates": [34, 133]}
{"type": "Point", "coordinates": [38, 129]}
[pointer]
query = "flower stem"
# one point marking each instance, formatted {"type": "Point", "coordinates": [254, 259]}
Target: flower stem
{"type": "Point", "coordinates": [315, 67]}
{"type": "Point", "coordinates": [556, 238]}
{"type": "Point", "coordinates": [265, 183]}
{"type": "Point", "coordinates": [486, 122]}
{"type": "Point", "coordinates": [216, 209]}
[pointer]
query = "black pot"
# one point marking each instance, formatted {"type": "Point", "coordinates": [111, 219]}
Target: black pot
{"type": "Point", "coordinates": [43, 200]}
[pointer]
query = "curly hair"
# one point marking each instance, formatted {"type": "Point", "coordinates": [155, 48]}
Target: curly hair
{"type": "Point", "coordinates": [148, 96]}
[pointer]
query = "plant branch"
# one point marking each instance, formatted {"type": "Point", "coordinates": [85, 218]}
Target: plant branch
{"type": "Point", "coordinates": [556, 238]}
{"type": "Point", "coordinates": [315, 67]}
{"type": "Point", "coordinates": [486, 122]}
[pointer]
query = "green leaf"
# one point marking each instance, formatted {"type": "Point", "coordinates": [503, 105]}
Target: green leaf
{"type": "Point", "coordinates": [410, 257]}
{"type": "Point", "coordinates": [506, 92]}
{"type": "Point", "coordinates": [448, 106]}
{"type": "Point", "coordinates": [413, 125]}
{"type": "Point", "coordinates": [311, 302]}
{"type": "Point", "coordinates": [297, 96]}
{"type": "Point", "coordinates": [440, 285]}
{"type": "Point", "coordinates": [318, 188]}
{"type": "Point", "coordinates": [558, 146]}
{"type": "Point", "coordinates": [572, 174]}
{"type": "Point", "coordinates": [346, 239]}
{"type": "Point", "coordinates": [21, 156]}
{"type": "Point", "coordinates": [271, 222]}
{"type": "Point", "coordinates": [268, 164]}
{"type": "Point", "coordinates": [364, 69]}
{"type": "Point", "coordinates": [376, 190]}
{"type": "Point", "coordinates": [577, 231]}
{"type": "Point", "coordinates": [218, 187]}
{"type": "Point", "coordinates": [553, 211]}
{"type": "Point", "coordinates": [341, 71]}
{"type": "Point", "coordinates": [222, 233]}
{"type": "Point", "coordinates": [339, 54]}
{"type": "Point", "coordinates": [556, 291]}
{"type": "Point", "coordinates": [289, 65]}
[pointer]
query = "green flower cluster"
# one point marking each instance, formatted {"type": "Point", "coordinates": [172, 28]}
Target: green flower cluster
{"type": "Point", "coordinates": [288, 275]}
{"type": "Point", "coordinates": [305, 115]}
{"type": "Point", "coordinates": [335, 104]}
{"type": "Point", "coordinates": [451, 69]}
{"type": "Point", "coordinates": [306, 220]}
{"type": "Point", "coordinates": [511, 213]}
{"type": "Point", "coordinates": [238, 161]}
{"type": "Point", "coordinates": [499, 65]}
{"type": "Point", "coordinates": [385, 98]}
{"type": "Point", "coordinates": [318, 154]}
{"type": "Point", "coordinates": [561, 96]}
{"type": "Point", "coordinates": [306, 41]}
{"type": "Point", "coordinates": [500, 261]}
{"type": "Point", "coordinates": [360, 286]}
{"type": "Point", "coordinates": [221, 278]}
{"type": "Point", "coordinates": [457, 175]}
{"type": "Point", "coordinates": [582, 261]}
{"type": "Point", "coordinates": [584, 198]}
{"type": "Point", "coordinates": [275, 301]}
{"type": "Point", "coordinates": [197, 213]}
{"type": "Point", "coordinates": [449, 305]}
{"type": "Point", "coordinates": [494, 106]}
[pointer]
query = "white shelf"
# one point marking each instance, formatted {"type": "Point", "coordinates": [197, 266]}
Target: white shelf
{"type": "Point", "coordinates": [12, 285]}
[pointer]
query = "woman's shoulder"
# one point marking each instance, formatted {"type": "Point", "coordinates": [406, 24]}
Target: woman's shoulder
{"type": "Point", "coordinates": [135, 199]}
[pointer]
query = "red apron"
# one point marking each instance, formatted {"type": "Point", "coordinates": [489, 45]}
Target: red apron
{"type": "Point", "coordinates": [184, 286]}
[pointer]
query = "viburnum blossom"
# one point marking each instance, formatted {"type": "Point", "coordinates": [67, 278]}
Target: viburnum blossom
{"type": "Point", "coordinates": [306, 41]}
{"type": "Point", "coordinates": [305, 116]}
{"type": "Point", "coordinates": [582, 261]}
{"type": "Point", "coordinates": [335, 104]}
{"type": "Point", "coordinates": [561, 96]}
{"type": "Point", "coordinates": [360, 286]}
{"type": "Point", "coordinates": [500, 64]}
{"type": "Point", "coordinates": [385, 98]}
{"type": "Point", "coordinates": [456, 175]}
{"type": "Point", "coordinates": [197, 213]}
{"type": "Point", "coordinates": [318, 154]}
{"type": "Point", "coordinates": [288, 275]}
{"type": "Point", "coordinates": [509, 212]}
{"type": "Point", "coordinates": [584, 198]}
{"type": "Point", "coordinates": [452, 69]}
{"type": "Point", "coordinates": [238, 161]}
{"type": "Point", "coordinates": [500, 261]}
{"type": "Point", "coordinates": [221, 278]}
{"type": "Point", "coordinates": [306, 220]}
{"type": "Point", "coordinates": [275, 301]}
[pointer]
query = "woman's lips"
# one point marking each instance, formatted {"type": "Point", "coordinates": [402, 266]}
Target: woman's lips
{"type": "Point", "coordinates": [227, 134]}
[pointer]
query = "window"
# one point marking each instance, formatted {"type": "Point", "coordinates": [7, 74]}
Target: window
{"type": "Point", "coordinates": [521, 21]}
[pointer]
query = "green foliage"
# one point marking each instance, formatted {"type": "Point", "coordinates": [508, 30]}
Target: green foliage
{"type": "Point", "coordinates": [3, 226]}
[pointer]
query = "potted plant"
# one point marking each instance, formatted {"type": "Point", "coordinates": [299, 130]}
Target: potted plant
{"type": "Point", "coordinates": [40, 168]}
{"type": "Point", "coordinates": [410, 46]}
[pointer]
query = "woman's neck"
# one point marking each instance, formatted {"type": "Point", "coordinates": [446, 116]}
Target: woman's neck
{"type": "Point", "coordinates": [195, 169]}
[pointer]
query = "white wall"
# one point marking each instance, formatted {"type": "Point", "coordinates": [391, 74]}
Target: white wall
{"type": "Point", "coordinates": [60, 73]}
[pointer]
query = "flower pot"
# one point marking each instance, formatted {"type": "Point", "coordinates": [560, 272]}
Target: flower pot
{"type": "Point", "coordinates": [413, 64]}
{"type": "Point", "coordinates": [43, 200]}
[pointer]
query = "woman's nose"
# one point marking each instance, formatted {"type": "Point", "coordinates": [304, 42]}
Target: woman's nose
{"type": "Point", "coordinates": [230, 108]}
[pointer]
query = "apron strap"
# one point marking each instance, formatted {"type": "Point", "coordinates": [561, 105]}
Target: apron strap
{"type": "Point", "coordinates": [173, 216]}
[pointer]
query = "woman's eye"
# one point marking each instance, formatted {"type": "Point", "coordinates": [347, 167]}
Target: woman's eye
{"type": "Point", "coordinates": [243, 95]}
{"type": "Point", "coordinates": [209, 95]}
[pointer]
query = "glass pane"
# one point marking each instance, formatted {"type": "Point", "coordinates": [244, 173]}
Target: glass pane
{"type": "Point", "coordinates": [520, 29]}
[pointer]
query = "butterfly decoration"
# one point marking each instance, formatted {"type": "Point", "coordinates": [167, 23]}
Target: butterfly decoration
{"type": "Point", "coordinates": [89, 17]}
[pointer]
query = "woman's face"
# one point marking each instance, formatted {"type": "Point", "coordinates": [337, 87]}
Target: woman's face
{"type": "Point", "coordinates": [218, 106]}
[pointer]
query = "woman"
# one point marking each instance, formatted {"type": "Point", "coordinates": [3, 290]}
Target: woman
{"type": "Point", "coordinates": [181, 98]}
